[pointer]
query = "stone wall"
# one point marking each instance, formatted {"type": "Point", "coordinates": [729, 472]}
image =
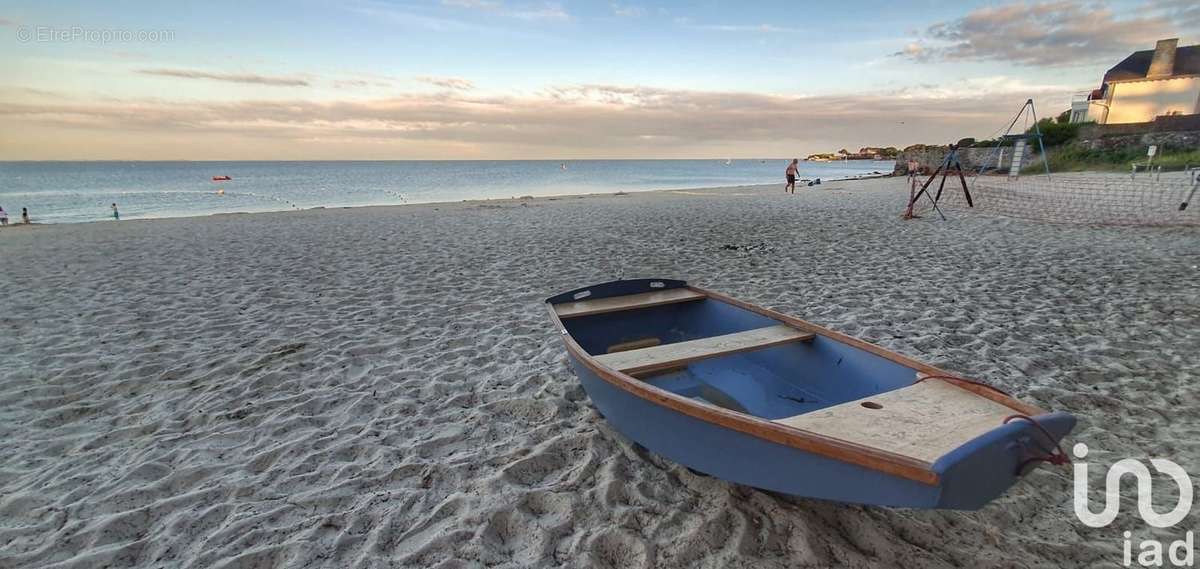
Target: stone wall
{"type": "Point", "coordinates": [1178, 140]}
{"type": "Point", "coordinates": [930, 157]}
{"type": "Point", "coordinates": [1177, 131]}
{"type": "Point", "coordinates": [1170, 123]}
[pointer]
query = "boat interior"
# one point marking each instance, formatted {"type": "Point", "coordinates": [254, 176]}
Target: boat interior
{"type": "Point", "coordinates": [713, 351]}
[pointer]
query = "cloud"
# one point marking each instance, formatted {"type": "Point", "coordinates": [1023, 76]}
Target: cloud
{"type": "Point", "coordinates": [628, 11]}
{"type": "Point", "coordinates": [574, 121]}
{"type": "Point", "coordinates": [546, 11]}
{"type": "Point", "coordinates": [376, 10]}
{"type": "Point", "coordinates": [1057, 33]}
{"type": "Point", "coordinates": [452, 83]}
{"type": "Point", "coordinates": [968, 88]}
{"type": "Point", "coordinates": [916, 51]}
{"type": "Point", "coordinates": [550, 11]}
{"type": "Point", "coordinates": [476, 4]}
{"type": "Point", "coordinates": [228, 77]}
{"type": "Point", "coordinates": [738, 28]}
{"type": "Point", "coordinates": [358, 83]}
{"type": "Point", "coordinates": [1184, 13]}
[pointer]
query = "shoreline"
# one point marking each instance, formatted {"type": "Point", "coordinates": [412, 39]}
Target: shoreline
{"type": "Point", "coordinates": [447, 203]}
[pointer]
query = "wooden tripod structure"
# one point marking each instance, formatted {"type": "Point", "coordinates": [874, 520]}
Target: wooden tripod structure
{"type": "Point", "coordinates": [950, 162]}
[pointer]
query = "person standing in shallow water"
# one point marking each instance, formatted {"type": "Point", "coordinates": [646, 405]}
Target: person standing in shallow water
{"type": "Point", "coordinates": [116, 214]}
{"type": "Point", "coordinates": [792, 170]}
{"type": "Point", "coordinates": [25, 215]}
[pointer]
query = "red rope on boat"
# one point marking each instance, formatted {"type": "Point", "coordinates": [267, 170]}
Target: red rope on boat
{"type": "Point", "coordinates": [964, 380]}
{"type": "Point", "coordinates": [1059, 457]}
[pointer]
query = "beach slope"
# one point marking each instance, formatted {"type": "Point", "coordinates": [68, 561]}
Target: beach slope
{"type": "Point", "coordinates": [379, 387]}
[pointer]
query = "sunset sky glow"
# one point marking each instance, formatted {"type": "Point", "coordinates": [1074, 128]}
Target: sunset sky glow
{"type": "Point", "coordinates": [507, 79]}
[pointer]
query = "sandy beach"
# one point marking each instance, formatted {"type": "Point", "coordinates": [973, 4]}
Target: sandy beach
{"type": "Point", "coordinates": [381, 387]}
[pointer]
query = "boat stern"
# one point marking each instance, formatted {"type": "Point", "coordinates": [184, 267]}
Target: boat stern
{"type": "Point", "coordinates": [984, 468]}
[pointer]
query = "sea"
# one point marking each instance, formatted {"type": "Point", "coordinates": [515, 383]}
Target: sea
{"type": "Point", "coordinates": [70, 192]}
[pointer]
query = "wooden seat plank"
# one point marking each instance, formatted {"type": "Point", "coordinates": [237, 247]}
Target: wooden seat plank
{"type": "Point", "coordinates": [681, 353]}
{"type": "Point", "coordinates": [923, 421]}
{"type": "Point", "coordinates": [627, 302]}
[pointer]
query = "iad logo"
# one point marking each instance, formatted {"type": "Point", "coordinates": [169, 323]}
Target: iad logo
{"type": "Point", "coordinates": [1181, 553]}
{"type": "Point", "coordinates": [1112, 491]}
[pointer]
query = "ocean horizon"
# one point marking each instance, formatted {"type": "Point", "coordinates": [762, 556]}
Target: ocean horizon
{"type": "Point", "coordinates": [81, 191]}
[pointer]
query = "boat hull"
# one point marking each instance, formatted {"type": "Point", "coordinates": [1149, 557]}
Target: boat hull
{"type": "Point", "coordinates": [745, 459]}
{"type": "Point", "coordinates": [733, 418]}
{"type": "Point", "coordinates": [969, 478]}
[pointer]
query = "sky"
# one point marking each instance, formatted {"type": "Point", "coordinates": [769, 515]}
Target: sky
{"type": "Point", "coordinates": [516, 79]}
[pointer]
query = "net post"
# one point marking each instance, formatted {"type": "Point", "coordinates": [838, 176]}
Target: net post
{"type": "Point", "coordinates": [1037, 130]}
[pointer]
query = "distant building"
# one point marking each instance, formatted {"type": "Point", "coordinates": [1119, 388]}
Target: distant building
{"type": "Point", "coordinates": [1145, 85]}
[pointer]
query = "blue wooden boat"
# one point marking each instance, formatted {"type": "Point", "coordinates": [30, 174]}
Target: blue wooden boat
{"type": "Point", "coordinates": [759, 398]}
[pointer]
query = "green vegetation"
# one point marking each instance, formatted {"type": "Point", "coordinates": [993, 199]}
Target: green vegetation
{"type": "Point", "coordinates": [1074, 158]}
{"type": "Point", "coordinates": [1067, 155]}
{"type": "Point", "coordinates": [989, 143]}
{"type": "Point", "coordinates": [1057, 132]}
{"type": "Point", "coordinates": [864, 153]}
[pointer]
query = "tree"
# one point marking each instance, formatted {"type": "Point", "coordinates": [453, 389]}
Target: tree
{"type": "Point", "coordinates": [1056, 133]}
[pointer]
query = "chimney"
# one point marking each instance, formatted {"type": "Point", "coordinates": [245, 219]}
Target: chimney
{"type": "Point", "coordinates": [1163, 63]}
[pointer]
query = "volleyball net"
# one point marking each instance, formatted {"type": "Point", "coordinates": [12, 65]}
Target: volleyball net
{"type": "Point", "coordinates": [1167, 198]}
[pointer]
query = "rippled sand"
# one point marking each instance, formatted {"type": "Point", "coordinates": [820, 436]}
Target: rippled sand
{"type": "Point", "coordinates": [381, 387]}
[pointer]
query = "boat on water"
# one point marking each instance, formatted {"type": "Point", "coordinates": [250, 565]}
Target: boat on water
{"type": "Point", "coordinates": [221, 178]}
{"type": "Point", "coordinates": [756, 397]}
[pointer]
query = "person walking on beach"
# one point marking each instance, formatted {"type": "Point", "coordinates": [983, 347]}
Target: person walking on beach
{"type": "Point", "coordinates": [116, 214]}
{"type": "Point", "coordinates": [3, 217]}
{"type": "Point", "coordinates": [25, 215]}
{"type": "Point", "coordinates": [792, 170]}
